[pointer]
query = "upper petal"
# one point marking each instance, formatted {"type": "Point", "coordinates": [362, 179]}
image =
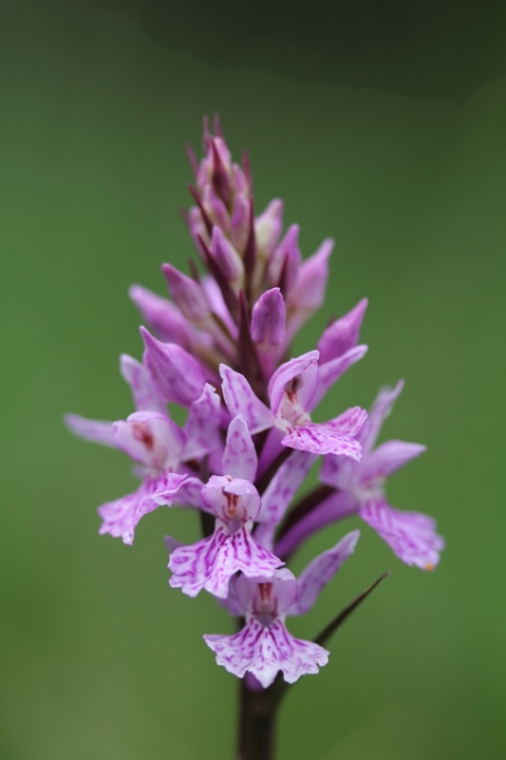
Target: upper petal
{"type": "Point", "coordinates": [145, 391]}
{"type": "Point", "coordinates": [240, 457]}
{"type": "Point", "coordinates": [380, 410]}
{"type": "Point", "coordinates": [308, 293]}
{"type": "Point", "coordinates": [306, 368]}
{"type": "Point", "coordinates": [388, 458]}
{"type": "Point", "coordinates": [91, 430]}
{"type": "Point", "coordinates": [318, 573]}
{"type": "Point", "coordinates": [241, 400]}
{"type": "Point", "coordinates": [177, 372]}
{"type": "Point", "coordinates": [332, 371]}
{"type": "Point", "coordinates": [309, 290]}
{"type": "Point", "coordinates": [203, 424]}
{"type": "Point", "coordinates": [342, 334]}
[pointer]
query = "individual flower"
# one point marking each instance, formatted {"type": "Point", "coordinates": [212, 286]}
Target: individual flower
{"type": "Point", "coordinates": [234, 502]}
{"type": "Point", "coordinates": [153, 441]}
{"type": "Point", "coordinates": [294, 389]}
{"type": "Point", "coordinates": [209, 564]}
{"type": "Point", "coordinates": [264, 646]}
{"type": "Point", "coordinates": [360, 490]}
{"type": "Point", "coordinates": [246, 447]}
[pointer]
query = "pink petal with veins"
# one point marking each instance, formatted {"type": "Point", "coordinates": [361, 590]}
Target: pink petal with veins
{"type": "Point", "coordinates": [91, 430]}
{"type": "Point", "coordinates": [266, 650]}
{"type": "Point", "coordinates": [209, 564]}
{"type": "Point", "coordinates": [240, 457]}
{"type": "Point", "coordinates": [342, 334]}
{"type": "Point", "coordinates": [411, 535]}
{"type": "Point", "coordinates": [319, 572]}
{"type": "Point", "coordinates": [241, 400]}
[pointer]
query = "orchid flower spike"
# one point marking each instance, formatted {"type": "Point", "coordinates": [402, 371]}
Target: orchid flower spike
{"type": "Point", "coordinates": [218, 347]}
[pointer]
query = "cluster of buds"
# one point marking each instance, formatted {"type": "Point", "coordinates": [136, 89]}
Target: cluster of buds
{"type": "Point", "coordinates": [220, 349]}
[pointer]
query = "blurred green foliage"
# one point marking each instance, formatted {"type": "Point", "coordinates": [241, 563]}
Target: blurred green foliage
{"type": "Point", "coordinates": [380, 126]}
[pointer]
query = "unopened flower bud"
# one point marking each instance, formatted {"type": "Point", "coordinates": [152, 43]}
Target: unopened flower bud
{"type": "Point", "coordinates": [227, 258]}
{"type": "Point", "coordinates": [286, 260]}
{"type": "Point", "coordinates": [268, 227]}
{"type": "Point", "coordinates": [187, 294]}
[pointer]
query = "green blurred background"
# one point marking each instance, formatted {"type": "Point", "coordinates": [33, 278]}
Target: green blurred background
{"type": "Point", "coordinates": [382, 124]}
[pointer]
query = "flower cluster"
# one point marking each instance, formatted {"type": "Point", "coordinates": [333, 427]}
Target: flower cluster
{"type": "Point", "coordinates": [219, 349]}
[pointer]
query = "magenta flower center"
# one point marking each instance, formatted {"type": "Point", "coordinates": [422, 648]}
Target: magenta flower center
{"type": "Point", "coordinates": [157, 452]}
{"type": "Point", "coordinates": [265, 604]}
{"type": "Point", "coordinates": [291, 413]}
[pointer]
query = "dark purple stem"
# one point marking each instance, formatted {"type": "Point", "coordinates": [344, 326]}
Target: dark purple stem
{"type": "Point", "coordinates": [256, 726]}
{"type": "Point", "coordinates": [304, 507]}
{"type": "Point", "coordinates": [257, 720]}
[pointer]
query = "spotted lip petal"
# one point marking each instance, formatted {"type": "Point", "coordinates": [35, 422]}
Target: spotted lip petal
{"type": "Point", "coordinates": [264, 651]}
{"type": "Point", "coordinates": [209, 564]}
{"type": "Point", "coordinates": [323, 439]}
{"type": "Point", "coordinates": [411, 535]}
{"type": "Point", "coordinates": [121, 516]}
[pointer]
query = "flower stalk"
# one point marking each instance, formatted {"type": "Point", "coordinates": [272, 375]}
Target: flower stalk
{"type": "Point", "coordinates": [257, 722]}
